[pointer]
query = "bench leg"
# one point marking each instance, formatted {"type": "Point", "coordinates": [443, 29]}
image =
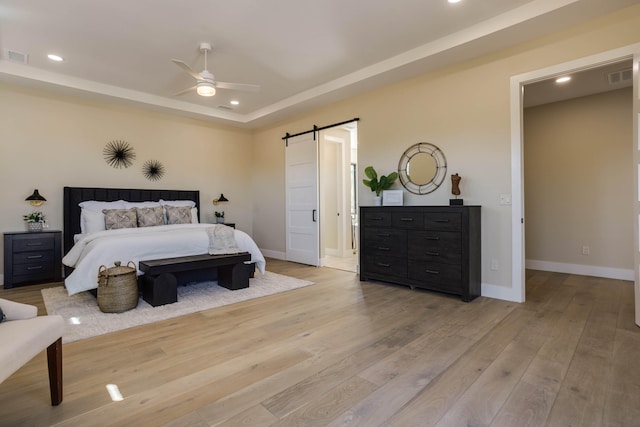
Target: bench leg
{"type": "Point", "coordinates": [54, 361]}
{"type": "Point", "coordinates": [235, 276]}
{"type": "Point", "coordinates": [160, 290]}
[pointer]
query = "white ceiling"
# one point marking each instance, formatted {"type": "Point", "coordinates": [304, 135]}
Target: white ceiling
{"type": "Point", "coordinates": [303, 53]}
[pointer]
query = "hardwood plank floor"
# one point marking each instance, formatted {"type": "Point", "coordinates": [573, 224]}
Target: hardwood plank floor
{"type": "Point", "coordinates": [345, 352]}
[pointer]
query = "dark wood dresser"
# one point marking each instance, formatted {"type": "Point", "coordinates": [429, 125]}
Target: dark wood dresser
{"type": "Point", "coordinates": [32, 257]}
{"type": "Point", "coordinates": [429, 247]}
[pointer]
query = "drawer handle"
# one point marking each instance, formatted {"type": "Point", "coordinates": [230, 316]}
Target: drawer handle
{"type": "Point", "coordinates": [35, 244]}
{"type": "Point", "coordinates": [39, 267]}
{"type": "Point", "coordinates": [406, 219]}
{"type": "Point", "coordinates": [377, 218]}
{"type": "Point", "coordinates": [433, 253]}
{"type": "Point", "coordinates": [34, 256]}
{"type": "Point", "coordinates": [380, 264]}
{"type": "Point", "coordinates": [382, 248]}
{"type": "Point", "coordinates": [432, 271]}
{"type": "Point", "coordinates": [384, 235]}
{"type": "Point", "coordinates": [441, 220]}
{"type": "Point", "coordinates": [432, 238]}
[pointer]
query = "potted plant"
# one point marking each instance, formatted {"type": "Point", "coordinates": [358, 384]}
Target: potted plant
{"type": "Point", "coordinates": [219, 217]}
{"type": "Point", "coordinates": [378, 184]}
{"type": "Point", "coordinates": [34, 220]}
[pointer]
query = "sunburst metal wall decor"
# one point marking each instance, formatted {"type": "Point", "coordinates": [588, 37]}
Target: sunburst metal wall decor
{"type": "Point", "coordinates": [119, 154]}
{"type": "Point", "coordinates": [153, 170]}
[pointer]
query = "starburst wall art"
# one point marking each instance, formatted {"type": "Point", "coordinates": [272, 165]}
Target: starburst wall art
{"type": "Point", "coordinates": [119, 154]}
{"type": "Point", "coordinates": [153, 170]}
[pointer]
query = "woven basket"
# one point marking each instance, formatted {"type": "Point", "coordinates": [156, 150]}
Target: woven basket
{"type": "Point", "coordinates": [117, 288]}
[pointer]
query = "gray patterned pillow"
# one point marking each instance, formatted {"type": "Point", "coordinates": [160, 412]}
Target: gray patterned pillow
{"type": "Point", "coordinates": [178, 214]}
{"type": "Point", "coordinates": [149, 217]}
{"type": "Point", "coordinates": [119, 218]}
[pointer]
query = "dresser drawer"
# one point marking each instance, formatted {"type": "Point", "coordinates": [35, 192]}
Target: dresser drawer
{"type": "Point", "coordinates": [385, 265]}
{"type": "Point", "coordinates": [376, 219]}
{"type": "Point", "coordinates": [33, 242]}
{"type": "Point", "coordinates": [431, 275]}
{"type": "Point", "coordinates": [407, 220]}
{"type": "Point", "coordinates": [435, 246]}
{"type": "Point", "coordinates": [30, 257]}
{"type": "Point", "coordinates": [443, 221]}
{"type": "Point", "coordinates": [385, 241]}
{"type": "Point", "coordinates": [34, 268]}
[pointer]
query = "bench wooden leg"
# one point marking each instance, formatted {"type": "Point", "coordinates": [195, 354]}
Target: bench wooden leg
{"type": "Point", "coordinates": [159, 290]}
{"type": "Point", "coordinates": [235, 276]}
{"type": "Point", "coordinates": [54, 361]}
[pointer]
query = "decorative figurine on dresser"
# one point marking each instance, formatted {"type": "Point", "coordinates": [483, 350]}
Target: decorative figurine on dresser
{"type": "Point", "coordinates": [427, 247]}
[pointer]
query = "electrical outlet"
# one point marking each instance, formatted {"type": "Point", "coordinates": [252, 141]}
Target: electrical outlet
{"type": "Point", "coordinates": [494, 264]}
{"type": "Point", "coordinates": [505, 199]}
{"type": "Point", "coordinates": [585, 250]}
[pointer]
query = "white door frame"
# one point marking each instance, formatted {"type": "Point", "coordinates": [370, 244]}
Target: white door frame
{"type": "Point", "coordinates": [517, 173]}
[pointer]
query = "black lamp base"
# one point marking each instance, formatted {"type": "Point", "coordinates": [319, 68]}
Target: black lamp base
{"type": "Point", "coordinates": [455, 202]}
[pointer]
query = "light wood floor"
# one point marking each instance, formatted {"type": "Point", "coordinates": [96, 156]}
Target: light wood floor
{"type": "Point", "coordinates": [343, 352]}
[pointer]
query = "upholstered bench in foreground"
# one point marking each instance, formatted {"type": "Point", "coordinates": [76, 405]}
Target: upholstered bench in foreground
{"type": "Point", "coordinates": [23, 335]}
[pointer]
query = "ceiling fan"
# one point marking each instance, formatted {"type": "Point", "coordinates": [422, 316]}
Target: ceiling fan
{"type": "Point", "coordinates": [206, 83]}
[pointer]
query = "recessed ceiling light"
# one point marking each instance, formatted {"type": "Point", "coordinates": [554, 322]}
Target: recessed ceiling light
{"type": "Point", "coordinates": [454, 1]}
{"type": "Point", "coordinates": [54, 57]}
{"type": "Point", "coordinates": [563, 79]}
{"type": "Point", "coordinates": [234, 102]}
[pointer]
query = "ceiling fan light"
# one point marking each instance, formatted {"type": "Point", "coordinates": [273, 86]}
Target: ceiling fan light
{"type": "Point", "coordinates": [205, 89]}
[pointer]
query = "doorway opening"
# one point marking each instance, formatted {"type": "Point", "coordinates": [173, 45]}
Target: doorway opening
{"type": "Point", "coordinates": [338, 170]}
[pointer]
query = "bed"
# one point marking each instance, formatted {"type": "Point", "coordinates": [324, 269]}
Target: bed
{"type": "Point", "coordinates": [85, 250]}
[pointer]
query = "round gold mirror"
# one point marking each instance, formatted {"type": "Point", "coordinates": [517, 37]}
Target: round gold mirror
{"type": "Point", "coordinates": [422, 168]}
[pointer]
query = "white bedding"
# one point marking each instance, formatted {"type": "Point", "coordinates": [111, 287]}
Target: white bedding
{"type": "Point", "coordinates": [136, 244]}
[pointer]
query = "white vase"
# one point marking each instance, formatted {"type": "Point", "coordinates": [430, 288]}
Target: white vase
{"type": "Point", "coordinates": [219, 220]}
{"type": "Point", "coordinates": [34, 226]}
{"type": "Point", "coordinates": [378, 200]}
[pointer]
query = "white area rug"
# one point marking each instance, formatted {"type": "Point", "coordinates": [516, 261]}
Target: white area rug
{"type": "Point", "coordinates": [84, 319]}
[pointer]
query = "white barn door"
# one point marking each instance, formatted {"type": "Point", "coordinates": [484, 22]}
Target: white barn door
{"type": "Point", "coordinates": [301, 177]}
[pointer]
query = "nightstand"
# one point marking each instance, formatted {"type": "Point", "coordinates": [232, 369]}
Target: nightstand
{"type": "Point", "coordinates": [32, 257]}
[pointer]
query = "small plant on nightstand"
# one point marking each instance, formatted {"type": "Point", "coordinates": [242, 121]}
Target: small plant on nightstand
{"type": "Point", "coordinates": [219, 217]}
{"type": "Point", "coordinates": [34, 220]}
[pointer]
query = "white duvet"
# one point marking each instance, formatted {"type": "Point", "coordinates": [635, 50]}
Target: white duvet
{"type": "Point", "coordinates": [136, 244]}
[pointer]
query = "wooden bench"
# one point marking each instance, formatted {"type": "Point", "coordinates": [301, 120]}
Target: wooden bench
{"type": "Point", "coordinates": [162, 276]}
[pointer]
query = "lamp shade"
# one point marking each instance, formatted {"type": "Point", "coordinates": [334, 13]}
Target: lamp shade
{"type": "Point", "coordinates": [222, 198]}
{"type": "Point", "coordinates": [36, 199]}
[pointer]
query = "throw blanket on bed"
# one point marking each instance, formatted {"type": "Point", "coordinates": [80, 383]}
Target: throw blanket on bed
{"type": "Point", "coordinates": [135, 244]}
{"type": "Point", "coordinates": [222, 240]}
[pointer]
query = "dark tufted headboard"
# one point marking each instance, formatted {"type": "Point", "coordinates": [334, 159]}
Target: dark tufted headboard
{"type": "Point", "coordinates": [75, 195]}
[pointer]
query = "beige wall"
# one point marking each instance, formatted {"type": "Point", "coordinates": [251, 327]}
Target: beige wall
{"type": "Point", "coordinates": [579, 181]}
{"type": "Point", "coordinates": [464, 110]}
{"type": "Point", "coordinates": [50, 141]}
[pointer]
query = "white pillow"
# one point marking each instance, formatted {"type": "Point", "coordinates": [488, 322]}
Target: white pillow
{"type": "Point", "coordinates": [178, 203]}
{"type": "Point", "coordinates": [96, 206]}
{"type": "Point", "coordinates": [91, 221]}
{"type": "Point", "coordinates": [129, 205]}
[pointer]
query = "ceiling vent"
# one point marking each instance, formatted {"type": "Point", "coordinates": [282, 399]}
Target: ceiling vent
{"type": "Point", "coordinates": [14, 56]}
{"type": "Point", "coordinates": [622, 76]}
{"type": "Point", "coordinates": [224, 107]}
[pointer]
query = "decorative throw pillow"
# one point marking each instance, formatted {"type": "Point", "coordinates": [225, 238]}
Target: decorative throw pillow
{"type": "Point", "coordinates": [178, 215]}
{"type": "Point", "coordinates": [149, 217]}
{"type": "Point", "coordinates": [119, 218]}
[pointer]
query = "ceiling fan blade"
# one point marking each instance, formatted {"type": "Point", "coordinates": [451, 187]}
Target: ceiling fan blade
{"type": "Point", "coordinates": [238, 86]}
{"type": "Point", "coordinates": [192, 88]}
{"type": "Point", "coordinates": [188, 69]}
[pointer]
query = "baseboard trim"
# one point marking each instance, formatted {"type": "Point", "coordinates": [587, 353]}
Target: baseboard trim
{"type": "Point", "coordinates": [582, 270]}
{"type": "Point", "coordinates": [274, 254]}
{"type": "Point", "coordinates": [498, 292]}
